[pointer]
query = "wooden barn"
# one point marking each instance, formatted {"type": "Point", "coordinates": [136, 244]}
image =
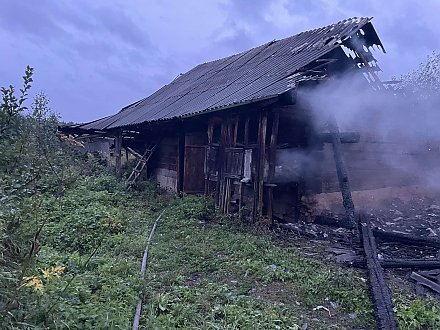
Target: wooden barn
{"type": "Point", "coordinates": [238, 130]}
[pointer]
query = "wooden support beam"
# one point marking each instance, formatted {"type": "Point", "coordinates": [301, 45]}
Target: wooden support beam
{"type": "Point", "coordinates": [221, 154]}
{"type": "Point", "coordinates": [259, 182]}
{"type": "Point", "coordinates": [240, 200]}
{"type": "Point", "coordinates": [180, 157]}
{"type": "Point", "coordinates": [246, 131]}
{"type": "Point", "coordinates": [273, 145]}
{"type": "Point", "coordinates": [210, 132]}
{"type": "Point", "coordinates": [341, 171]}
{"type": "Point", "coordinates": [269, 198]}
{"type": "Point", "coordinates": [118, 153]}
{"type": "Point", "coordinates": [234, 138]}
{"type": "Point", "coordinates": [134, 152]}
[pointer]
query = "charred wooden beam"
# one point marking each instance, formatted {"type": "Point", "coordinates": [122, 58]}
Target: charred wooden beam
{"type": "Point", "coordinates": [425, 282]}
{"type": "Point", "coordinates": [410, 263]}
{"type": "Point", "coordinates": [400, 263]}
{"type": "Point", "coordinates": [406, 239]}
{"type": "Point", "coordinates": [341, 171]}
{"type": "Point", "coordinates": [346, 137]}
{"type": "Point", "coordinates": [381, 295]}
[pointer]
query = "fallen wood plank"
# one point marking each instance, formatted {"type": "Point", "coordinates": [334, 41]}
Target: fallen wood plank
{"type": "Point", "coordinates": [381, 295]}
{"type": "Point", "coordinates": [410, 263]}
{"type": "Point", "coordinates": [433, 274]}
{"type": "Point", "coordinates": [426, 282]}
{"type": "Point", "coordinates": [400, 263]}
{"type": "Point", "coordinates": [406, 239]}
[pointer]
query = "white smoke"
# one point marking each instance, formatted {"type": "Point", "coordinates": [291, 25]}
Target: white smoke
{"type": "Point", "coordinates": [403, 127]}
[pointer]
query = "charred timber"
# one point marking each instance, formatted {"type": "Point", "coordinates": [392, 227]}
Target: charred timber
{"type": "Point", "coordinates": [406, 238]}
{"type": "Point", "coordinates": [381, 295]}
{"type": "Point", "coordinates": [426, 282]}
{"type": "Point", "coordinates": [348, 137]}
{"type": "Point", "coordinates": [401, 263]}
{"type": "Point", "coordinates": [341, 171]}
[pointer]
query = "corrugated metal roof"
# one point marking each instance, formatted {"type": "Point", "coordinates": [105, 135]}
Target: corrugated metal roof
{"type": "Point", "coordinates": [259, 73]}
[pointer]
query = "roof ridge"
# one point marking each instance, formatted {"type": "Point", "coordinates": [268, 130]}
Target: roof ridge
{"type": "Point", "coordinates": [345, 21]}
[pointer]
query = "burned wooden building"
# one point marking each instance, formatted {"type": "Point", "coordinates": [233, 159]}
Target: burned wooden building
{"type": "Point", "coordinates": [237, 129]}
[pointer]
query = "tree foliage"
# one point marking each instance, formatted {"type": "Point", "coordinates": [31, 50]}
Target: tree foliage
{"type": "Point", "coordinates": [36, 168]}
{"type": "Point", "coordinates": [423, 82]}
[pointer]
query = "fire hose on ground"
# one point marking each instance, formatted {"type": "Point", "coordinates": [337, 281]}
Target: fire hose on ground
{"type": "Point", "coordinates": [137, 314]}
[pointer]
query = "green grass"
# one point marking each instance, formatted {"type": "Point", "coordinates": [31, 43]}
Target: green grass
{"type": "Point", "coordinates": [211, 275]}
{"type": "Point", "coordinates": [96, 233]}
{"type": "Point", "coordinates": [204, 271]}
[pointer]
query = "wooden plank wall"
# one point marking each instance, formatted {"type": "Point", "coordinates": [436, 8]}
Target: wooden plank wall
{"type": "Point", "coordinates": [371, 164]}
{"type": "Point", "coordinates": [165, 170]}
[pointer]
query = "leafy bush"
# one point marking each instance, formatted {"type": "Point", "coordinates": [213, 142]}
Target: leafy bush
{"type": "Point", "coordinates": [71, 238]}
{"type": "Point", "coordinates": [418, 314]}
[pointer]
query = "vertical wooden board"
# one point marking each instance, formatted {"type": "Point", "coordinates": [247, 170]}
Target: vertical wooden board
{"type": "Point", "coordinates": [210, 133]}
{"type": "Point", "coordinates": [259, 174]}
{"type": "Point", "coordinates": [180, 160]}
{"type": "Point", "coordinates": [234, 162]}
{"type": "Point", "coordinates": [234, 142]}
{"type": "Point", "coordinates": [246, 131]}
{"type": "Point", "coordinates": [194, 163]}
{"type": "Point", "coordinates": [262, 136]}
{"type": "Point", "coordinates": [342, 171]}
{"type": "Point", "coordinates": [118, 153]}
{"type": "Point", "coordinates": [273, 145]}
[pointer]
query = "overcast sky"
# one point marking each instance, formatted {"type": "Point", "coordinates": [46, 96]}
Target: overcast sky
{"type": "Point", "coordinates": [94, 57]}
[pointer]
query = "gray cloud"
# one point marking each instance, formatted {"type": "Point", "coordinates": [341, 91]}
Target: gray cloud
{"type": "Point", "coordinates": [93, 57]}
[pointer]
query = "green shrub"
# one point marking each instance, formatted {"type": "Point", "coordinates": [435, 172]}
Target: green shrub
{"type": "Point", "coordinates": [418, 314]}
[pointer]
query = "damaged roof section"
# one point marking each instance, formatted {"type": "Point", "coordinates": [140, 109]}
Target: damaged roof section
{"type": "Point", "coordinates": [260, 73]}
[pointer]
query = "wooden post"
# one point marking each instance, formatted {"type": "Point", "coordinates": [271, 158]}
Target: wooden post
{"type": "Point", "coordinates": [259, 181]}
{"type": "Point", "coordinates": [272, 162]}
{"type": "Point", "coordinates": [235, 133]}
{"type": "Point", "coordinates": [273, 145]}
{"type": "Point", "coordinates": [246, 131]}
{"type": "Point", "coordinates": [240, 200]}
{"type": "Point", "coordinates": [342, 171]}
{"type": "Point", "coordinates": [180, 158]}
{"type": "Point", "coordinates": [221, 172]}
{"type": "Point", "coordinates": [269, 192]}
{"type": "Point", "coordinates": [118, 152]}
{"type": "Point", "coordinates": [210, 134]}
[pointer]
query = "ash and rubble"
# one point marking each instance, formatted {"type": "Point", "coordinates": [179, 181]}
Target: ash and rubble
{"type": "Point", "coordinates": [418, 217]}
